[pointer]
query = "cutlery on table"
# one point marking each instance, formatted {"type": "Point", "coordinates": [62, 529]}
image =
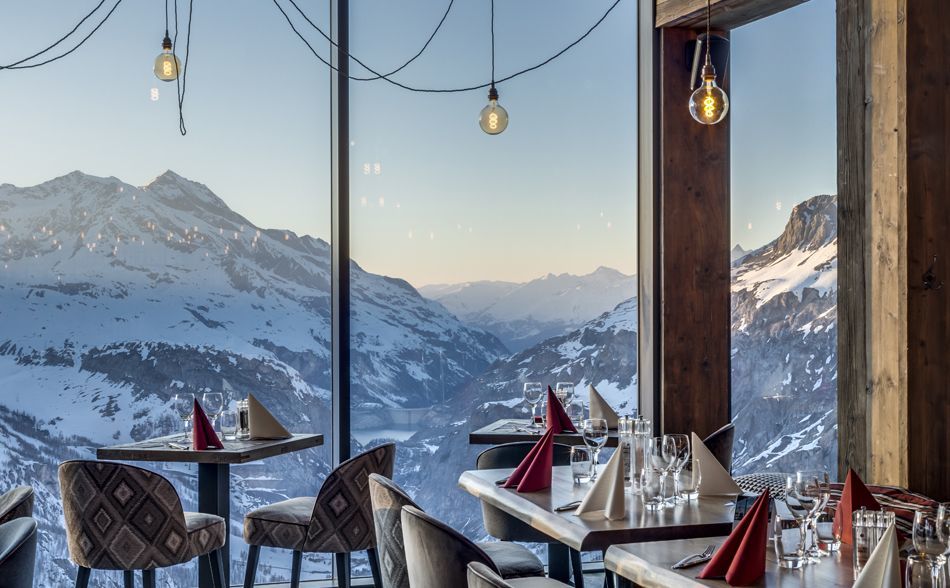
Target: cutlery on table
{"type": "Point", "coordinates": [501, 482]}
{"type": "Point", "coordinates": [568, 506]}
{"type": "Point", "coordinates": [695, 559]}
{"type": "Point", "coordinates": [178, 446]}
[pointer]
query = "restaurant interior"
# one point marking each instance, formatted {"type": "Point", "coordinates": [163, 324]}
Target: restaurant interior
{"type": "Point", "coordinates": [485, 294]}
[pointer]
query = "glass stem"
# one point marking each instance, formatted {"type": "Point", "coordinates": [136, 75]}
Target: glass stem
{"type": "Point", "coordinates": [803, 529]}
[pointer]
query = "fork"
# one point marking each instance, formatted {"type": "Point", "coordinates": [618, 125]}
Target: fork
{"type": "Point", "coordinates": [695, 559]}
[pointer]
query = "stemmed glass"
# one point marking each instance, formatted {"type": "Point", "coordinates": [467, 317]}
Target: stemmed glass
{"type": "Point", "coordinates": [803, 501]}
{"type": "Point", "coordinates": [595, 436]}
{"type": "Point", "coordinates": [184, 405]}
{"type": "Point", "coordinates": [819, 487]}
{"type": "Point", "coordinates": [676, 446]}
{"type": "Point", "coordinates": [660, 459]}
{"type": "Point", "coordinates": [564, 392]}
{"type": "Point", "coordinates": [929, 540]}
{"type": "Point", "coordinates": [213, 403]}
{"type": "Point", "coordinates": [532, 395]}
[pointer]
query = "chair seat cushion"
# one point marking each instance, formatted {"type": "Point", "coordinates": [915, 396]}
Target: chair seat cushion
{"type": "Point", "coordinates": [513, 560]}
{"type": "Point", "coordinates": [535, 583]}
{"type": "Point", "coordinates": [206, 532]}
{"type": "Point", "coordinates": [282, 524]}
{"type": "Point", "coordinates": [16, 503]}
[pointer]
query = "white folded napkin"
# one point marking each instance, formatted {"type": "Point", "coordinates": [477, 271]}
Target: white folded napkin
{"type": "Point", "coordinates": [883, 569]}
{"type": "Point", "coordinates": [262, 423]}
{"type": "Point", "coordinates": [599, 409]}
{"type": "Point", "coordinates": [716, 481]}
{"type": "Point", "coordinates": [607, 494]}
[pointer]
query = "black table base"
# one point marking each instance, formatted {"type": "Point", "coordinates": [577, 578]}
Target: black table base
{"type": "Point", "coordinates": [214, 497]}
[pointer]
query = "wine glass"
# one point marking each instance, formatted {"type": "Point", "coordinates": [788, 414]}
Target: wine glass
{"type": "Point", "coordinates": [213, 403]}
{"type": "Point", "coordinates": [929, 542]}
{"type": "Point", "coordinates": [943, 525]}
{"type": "Point", "coordinates": [532, 395]}
{"type": "Point", "coordinates": [676, 448]}
{"type": "Point", "coordinates": [819, 487]}
{"type": "Point", "coordinates": [802, 502]}
{"type": "Point", "coordinates": [564, 392]}
{"type": "Point", "coordinates": [595, 436]}
{"type": "Point", "coordinates": [184, 405]}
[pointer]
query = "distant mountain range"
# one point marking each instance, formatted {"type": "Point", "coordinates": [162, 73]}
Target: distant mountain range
{"type": "Point", "coordinates": [524, 314]}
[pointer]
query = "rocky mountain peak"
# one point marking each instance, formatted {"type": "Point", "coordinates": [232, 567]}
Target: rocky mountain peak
{"type": "Point", "coordinates": [812, 224]}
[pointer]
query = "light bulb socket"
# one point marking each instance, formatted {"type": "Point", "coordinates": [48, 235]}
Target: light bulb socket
{"type": "Point", "coordinates": [709, 70]}
{"type": "Point", "coordinates": [167, 42]}
{"type": "Point", "coordinates": [493, 93]}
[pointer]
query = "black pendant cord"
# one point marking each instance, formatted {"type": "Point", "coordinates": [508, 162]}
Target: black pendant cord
{"type": "Point", "coordinates": [181, 81]}
{"type": "Point", "coordinates": [493, 44]}
{"type": "Point", "coordinates": [166, 19]}
{"type": "Point", "coordinates": [708, 37]}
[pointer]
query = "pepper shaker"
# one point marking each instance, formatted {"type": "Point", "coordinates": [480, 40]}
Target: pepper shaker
{"type": "Point", "coordinates": [244, 421]}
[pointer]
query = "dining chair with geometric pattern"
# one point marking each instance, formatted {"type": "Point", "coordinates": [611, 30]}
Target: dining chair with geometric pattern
{"type": "Point", "coordinates": [339, 520]}
{"type": "Point", "coordinates": [122, 517]}
{"type": "Point", "coordinates": [16, 503]}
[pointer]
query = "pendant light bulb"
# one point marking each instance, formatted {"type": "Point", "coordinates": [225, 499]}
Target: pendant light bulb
{"type": "Point", "coordinates": [709, 103]}
{"type": "Point", "coordinates": [167, 64]}
{"type": "Point", "coordinates": [493, 118]}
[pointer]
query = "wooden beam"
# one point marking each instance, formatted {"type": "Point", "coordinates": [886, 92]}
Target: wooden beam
{"type": "Point", "coordinates": [694, 256]}
{"type": "Point", "coordinates": [726, 14]}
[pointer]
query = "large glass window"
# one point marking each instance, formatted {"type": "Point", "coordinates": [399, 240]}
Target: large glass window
{"type": "Point", "coordinates": [137, 263]}
{"type": "Point", "coordinates": [784, 226]}
{"type": "Point", "coordinates": [485, 261]}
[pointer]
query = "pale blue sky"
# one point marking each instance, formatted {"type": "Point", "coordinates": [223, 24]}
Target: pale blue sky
{"type": "Point", "coordinates": [554, 193]}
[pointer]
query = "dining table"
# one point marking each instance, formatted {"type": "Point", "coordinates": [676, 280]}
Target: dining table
{"type": "Point", "coordinates": [649, 565]}
{"type": "Point", "coordinates": [512, 430]}
{"type": "Point", "coordinates": [214, 473]}
{"type": "Point", "coordinates": [702, 517]}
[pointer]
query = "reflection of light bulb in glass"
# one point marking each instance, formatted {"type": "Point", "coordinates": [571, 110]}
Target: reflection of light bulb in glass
{"type": "Point", "coordinates": [167, 64]}
{"type": "Point", "coordinates": [493, 118]}
{"type": "Point", "coordinates": [709, 103]}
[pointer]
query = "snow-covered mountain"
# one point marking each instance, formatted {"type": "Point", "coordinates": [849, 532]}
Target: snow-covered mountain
{"type": "Point", "coordinates": [522, 315]}
{"type": "Point", "coordinates": [737, 253]}
{"type": "Point", "coordinates": [784, 345]}
{"type": "Point", "coordinates": [114, 297]}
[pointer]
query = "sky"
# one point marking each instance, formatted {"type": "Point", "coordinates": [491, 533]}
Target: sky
{"type": "Point", "coordinates": [433, 199]}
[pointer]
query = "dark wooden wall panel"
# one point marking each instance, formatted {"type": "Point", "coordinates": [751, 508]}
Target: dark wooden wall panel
{"type": "Point", "coordinates": [694, 218]}
{"type": "Point", "coordinates": [928, 235]}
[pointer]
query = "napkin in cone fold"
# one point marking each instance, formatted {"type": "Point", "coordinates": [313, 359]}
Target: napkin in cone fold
{"type": "Point", "coordinates": [741, 559]}
{"type": "Point", "coordinates": [599, 409]}
{"type": "Point", "coordinates": [558, 420]}
{"type": "Point", "coordinates": [202, 433]}
{"type": "Point", "coordinates": [262, 423]}
{"type": "Point", "coordinates": [883, 569]}
{"type": "Point", "coordinates": [534, 471]}
{"type": "Point", "coordinates": [607, 494]}
{"type": "Point", "coordinates": [716, 480]}
{"type": "Point", "coordinates": [853, 497]}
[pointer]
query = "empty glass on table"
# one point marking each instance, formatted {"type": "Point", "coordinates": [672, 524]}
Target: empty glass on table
{"type": "Point", "coordinates": [532, 395]}
{"type": "Point", "coordinates": [581, 464]}
{"type": "Point", "coordinates": [594, 432]}
{"type": "Point", "coordinates": [788, 546]}
{"type": "Point", "coordinates": [213, 403]}
{"type": "Point", "coordinates": [229, 425]}
{"type": "Point", "coordinates": [929, 541]}
{"type": "Point", "coordinates": [184, 405]}
{"type": "Point", "coordinates": [803, 500]}
{"type": "Point", "coordinates": [819, 486]}
{"type": "Point", "coordinates": [677, 447]}
{"type": "Point", "coordinates": [919, 574]}
{"type": "Point", "coordinates": [690, 479]}
{"type": "Point", "coordinates": [652, 484]}
{"type": "Point", "coordinates": [564, 391]}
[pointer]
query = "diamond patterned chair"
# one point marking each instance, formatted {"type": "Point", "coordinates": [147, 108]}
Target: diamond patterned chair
{"type": "Point", "coordinates": [388, 498]}
{"type": "Point", "coordinates": [338, 520]}
{"type": "Point", "coordinates": [122, 517]}
{"type": "Point", "coordinates": [481, 576]}
{"type": "Point", "coordinates": [17, 552]}
{"type": "Point", "coordinates": [16, 503]}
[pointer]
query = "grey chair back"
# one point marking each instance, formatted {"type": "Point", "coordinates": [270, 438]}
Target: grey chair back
{"type": "Point", "coordinates": [498, 523]}
{"type": "Point", "coordinates": [16, 503]}
{"type": "Point", "coordinates": [437, 555]}
{"type": "Point", "coordinates": [481, 576]}
{"type": "Point", "coordinates": [720, 444]}
{"type": "Point", "coordinates": [17, 552]}
{"type": "Point", "coordinates": [388, 499]}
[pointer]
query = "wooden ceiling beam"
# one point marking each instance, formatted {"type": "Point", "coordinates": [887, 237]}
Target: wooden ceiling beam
{"type": "Point", "coordinates": [726, 14]}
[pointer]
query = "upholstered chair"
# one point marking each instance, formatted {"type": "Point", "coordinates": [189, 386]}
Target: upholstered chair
{"type": "Point", "coordinates": [17, 552]}
{"type": "Point", "coordinates": [481, 576]}
{"type": "Point", "coordinates": [122, 517]}
{"type": "Point", "coordinates": [16, 503]}
{"type": "Point", "coordinates": [338, 520]}
{"type": "Point", "coordinates": [511, 559]}
{"type": "Point", "coordinates": [720, 443]}
{"type": "Point", "coordinates": [505, 527]}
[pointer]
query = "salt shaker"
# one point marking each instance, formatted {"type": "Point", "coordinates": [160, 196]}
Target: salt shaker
{"type": "Point", "coordinates": [244, 420]}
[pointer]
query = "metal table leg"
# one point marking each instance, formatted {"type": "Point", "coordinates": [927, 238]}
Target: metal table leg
{"type": "Point", "coordinates": [214, 497]}
{"type": "Point", "coordinates": [559, 562]}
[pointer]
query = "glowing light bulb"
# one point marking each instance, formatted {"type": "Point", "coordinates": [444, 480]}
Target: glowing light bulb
{"type": "Point", "coordinates": [709, 103]}
{"type": "Point", "coordinates": [493, 118]}
{"type": "Point", "coordinates": [167, 65]}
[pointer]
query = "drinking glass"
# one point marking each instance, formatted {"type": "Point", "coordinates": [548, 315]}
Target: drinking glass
{"type": "Point", "coordinates": [943, 525]}
{"type": "Point", "coordinates": [564, 392]}
{"type": "Point", "coordinates": [652, 483]}
{"type": "Point", "coordinates": [532, 395]}
{"type": "Point", "coordinates": [580, 464]}
{"type": "Point", "coordinates": [690, 480]}
{"type": "Point", "coordinates": [184, 406]}
{"type": "Point", "coordinates": [828, 539]}
{"type": "Point", "coordinates": [677, 448]}
{"type": "Point", "coordinates": [575, 411]}
{"type": "Point", "coordinates": [928, 541]}
{"type": "Point", "coordinates": [595, 436]}
{"type": "Point", "coordinates": [919, 574]}
{"type": "Point", "coordinates": [818, 486]}
{"type": "Point", "coordinates": [229, 425]}
{"type": "Point", "coordinates": [787, 543]}
{"type": "Point", "coordinates": [803, 503]}
{"type": "Point", "coordinates": [213, 403]}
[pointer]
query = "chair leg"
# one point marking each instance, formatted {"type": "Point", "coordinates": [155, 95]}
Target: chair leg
{"type": "Point", "coordinates": [82, 577]}
{"type": "Point", "coordinates": [577, 568]}
{"type": "Point", "coordinates": [148, 578]}
{"type": "Point", "coordinates": [295, 569]}
{"type": "Point", "coordinates": [253, 554]}
{"type": "Point", "coordinates": [608, 576]}
{"type": "Point", "coordinates": [373, 556]}
{"type": "Point", "coordinates": [128, 577]}
{"type": "Point", "coordinates": [343, 569]}
{"type": "Point", "coordinates": [217, 568]}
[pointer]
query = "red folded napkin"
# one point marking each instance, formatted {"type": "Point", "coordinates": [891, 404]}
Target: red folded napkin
{"type": "Point", "coordinates": [202, 433]}
{"type": "Point", "coordinates": [853, 497]}
{"type": "Point", "coordinates": [741, 559]}
{"type": "Point", "coordinates": [557, 418]}
{"type": "Point", "coordinates": [534, 471]}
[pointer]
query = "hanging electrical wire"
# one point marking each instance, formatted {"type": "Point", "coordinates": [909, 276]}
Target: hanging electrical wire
{"type": "Point", "coordinates": [181, 82]}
